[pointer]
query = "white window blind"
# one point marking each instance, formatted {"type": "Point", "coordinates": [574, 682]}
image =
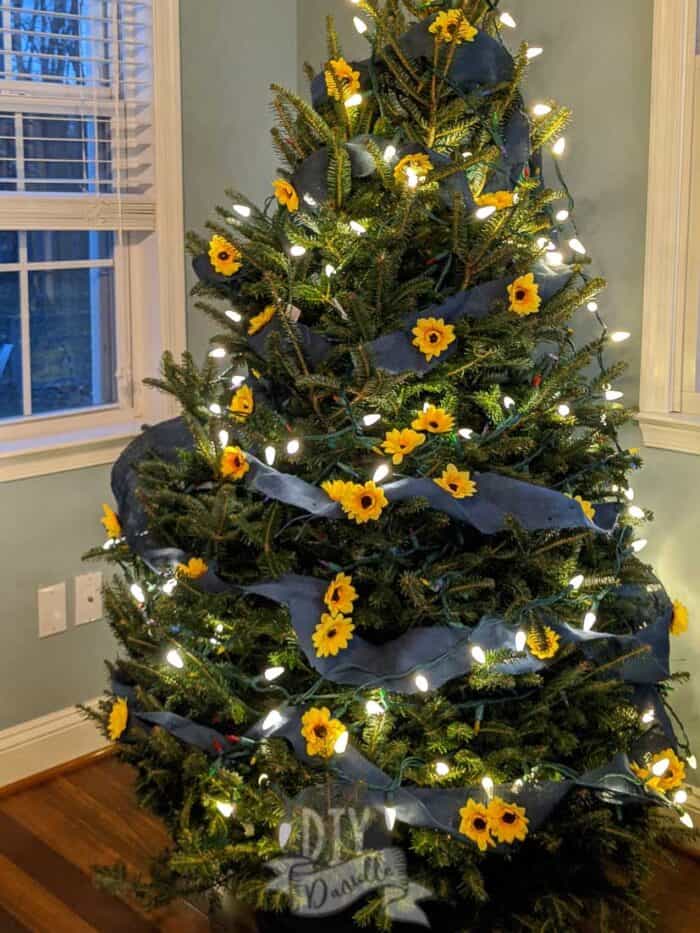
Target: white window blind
{"type": "Point", "coordinates": [76, 100]}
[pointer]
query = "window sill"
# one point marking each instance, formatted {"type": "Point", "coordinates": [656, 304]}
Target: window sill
{"type": "Point", "coordinates": [671, 431]}
{"type": "Point", "coordinates": [58, 453]}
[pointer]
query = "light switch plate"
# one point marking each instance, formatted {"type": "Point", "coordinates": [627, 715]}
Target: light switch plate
{"type": "Point", "coordinates": [88, 598]}
{"type": "Point", "coordinates": [52, 610]}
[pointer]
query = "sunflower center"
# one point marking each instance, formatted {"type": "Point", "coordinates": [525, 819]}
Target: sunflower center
{"type": "Point", "coordinates": [453, 486]}
{"type": "Point", "coordinates": [433, 336]}
{"type": "Point", "coordinates": [321, 732]}
{"type": "Point", "coordinates": [479, 824]}
{"type": "Point", "coordinates": [366, 502]}
{"type": "Point", "coordinates": [332, 632]}
{"type": "Point", "coordinates": [434, 424]}
{"type": "Point", "coordinates": [509, 817]}
{"type": "Point", "coordinates": [223, 255]}
{"type": "Point", "coordinates": [521, 294]}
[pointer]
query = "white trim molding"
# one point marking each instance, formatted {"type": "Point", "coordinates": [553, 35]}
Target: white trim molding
{"type": "Point", "coordinates": [46, 743]}
{"type": "Point", "coordinates": [666, 296]}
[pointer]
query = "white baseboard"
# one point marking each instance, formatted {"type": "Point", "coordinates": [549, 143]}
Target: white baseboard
{"type": "Point", "coordinates": [47, 742]}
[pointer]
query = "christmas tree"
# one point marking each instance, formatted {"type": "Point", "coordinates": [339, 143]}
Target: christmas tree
{"type": "Point", "coordinates": [390, 548]}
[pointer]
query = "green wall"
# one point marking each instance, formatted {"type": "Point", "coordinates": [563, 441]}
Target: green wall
{"type": "Point", "coordinates": [231, 51]}
{"type": "Point", "coordinates": [597, 60]}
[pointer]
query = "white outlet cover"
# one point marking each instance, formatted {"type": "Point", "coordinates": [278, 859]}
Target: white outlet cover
{"type": "Point", "coordinates": [88, 598]}
{"type": "Point", "coordinates": [52, 610]}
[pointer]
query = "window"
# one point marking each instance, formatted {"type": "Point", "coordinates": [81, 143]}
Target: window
{"type": "Point", "coordinates": [670, 374]}
{"type": "Point", "coordinates": [90, 210]}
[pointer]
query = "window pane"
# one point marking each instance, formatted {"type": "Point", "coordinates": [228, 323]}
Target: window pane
{"type": "Point", "coordinates": [66, 245]}
{"type": "Point", "coordinates": [73, 353]}
{"type": "Point", "coordinates": [67, 154]}
{"type": "Point", "coordinates": [9, 250]}
{"type": "Point", "coordinates": [51, 42]}
{"type": "Point", "coordinates": [8, 151]}
{"type": "Point", "coordinates": [10, 347]}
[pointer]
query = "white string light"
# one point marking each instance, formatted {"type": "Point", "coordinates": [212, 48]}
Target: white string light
{"type": "Point", "coordinates": [612, 395]}
{"type": "Point", "coordinates": [508, 402]}
{"type": "Point", "coordinates": [485, 212]}
{"type": "Point", "coordinates": [541, 110]}
{"type": "Point", "coordinates": [357, 228]}
{"type": "Point", "coordinates": [534, 51]}
{"type": "Point", "coordinates": [381, 473]}
{"type": "Point", "coordinates": [234, 316]}
{"type": "Point", "coordinates": [360, 25]}
{"type": "Point", "coordinates": [284, 834]}
{"type": "Point", "coordinates": [508, 20]}
{"type": "Point", "coordinates": [370, 420]}
{"type": "Point", "coordinates": [619, 336]}
{"type": "Point", "coordinates": [237, 381]}
{"type": "Point", "coordinates": [589, 620]}
{"type": "Point", "coordinates": [174, 659]}
{"type": "Point", "coordinates": [488, 785]}
{"type": "Point", "coordinates": [273, 673]}
{"type": "Point", "coordinates": [442, 769]}
{"type": "Point", "coordinates": [687, 820]}
{"type": "Point", "coordinates": [312, 202]}
{"type": "Point", "coordinates": [273, 720]}
{"type": "Point", "coordinates": [520, 641]}
{"type": "Point", "coordinates": [638, 546]}
{"type": "Point", "coordinates": [137, 592]}
{"type": "Point", "coordinates": [478, 654]}
{"type": "Point", "coordinates": [293, 447]}
{"type": "Point", "coordinates": [634, 511]}
{"type": "Point", "coordinates": [559, 147]}
{"type": "Point", "coordinates": [374, 708]}
{"type": "Point", "coordinates": [223, 438]}
{"type": "Point", "coordinates": [592, 306]}
{"type": "Point", "coordinates": [389, 153]}
{"type": "Point", "coordinates": [242, 209]}
{"type": "Point", "coordinates": [562, 216]}
{"type": "Point", "coordinates": [218, 353]}
{"type": "Point", "coordinates": [466, 433]}
{"type": "Point", "coordinates": [629, 494]}
{"type": "Point", "coordinates": [353, 101]}
{"type": "Point", "coordinates": [660, 767]}
{"type": "Point", "coordinates": [692, 762]}
{"type": "Point", "coordinates": [297, 251]}
{"type": "Point", "coordinates": [330, 270]}
{"type": "Point", "coordinates": [390, 817]}
{"type": "Point", "coordinates": [576, 582]}
{"type": "Point", "coordinates": [215, 408]}
{"type": "Point", "coordinates": [225, 809]}
{"type": "Point", "coordinates": [170, 587]}
{"type": "Point", "coordinates": [467, 155]}
{"type": "Point", "coordinates": [411, 178]}
{"type": "Point", "coordinates": [270, 456]}
{"type": "Point", "coordinates": [577, 246]}
{"type": "Point", "coordinates": [555, 258]}
{"type": "Point", "coordinates": [421, 682]}
{"type": "Point", "coordinates": [564, 410]}
{"type": "Point", "coordinates": [341, 745]}
{"type": "Point", "coordinates": [648, 716]}
{"type": "Point", "coordinates": [680, 797]}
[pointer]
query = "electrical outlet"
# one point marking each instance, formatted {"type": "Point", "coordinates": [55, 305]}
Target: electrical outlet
{"type": "Point", "coordinates": [52, 610]}
{"type": "Point", "coordinates": [88, 598]}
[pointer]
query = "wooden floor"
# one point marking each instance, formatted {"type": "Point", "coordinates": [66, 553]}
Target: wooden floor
{"type": "Point", "coordinates": [51, 836]}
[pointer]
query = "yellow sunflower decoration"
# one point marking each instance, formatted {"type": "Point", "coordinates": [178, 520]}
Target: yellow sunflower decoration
{"type": "Point", "coordinates": [498, 199]}
{"type": "Point", "coordinates": [475, 824]}
{"type": "Point", "coordinates": [524, 295]}
{"type": "Point", "coordinates": [400, 444]}
{"type": "Point", "coordinates": [417, 164]}
{"type": "Point", "coordinates": [680, 619]}
{"type": "Point", "coordinates": [364, 502]}
{"type": "Point", "coordinates": [110, 522]}
{"type": "Point", "coordinates": [586, 507]}
{"type": "Point", "coordinates": [286, 194]}
{"type": "Point", "coordinates": [342, 81]}
{"type": "Point", "coordinates": [507, 821]}
{"type": "Point", "coordinates": [434, 420]}
{"type": "Point", "coordinates": [234, 463]}
{"type": "Point", "coordinates": [118, 719]}
{"type": "Point", "coordinates": [224, 256]}
{"type": "Point", "coordinates": [193, 569]}
{"type": "Point", "coordinates": [321, 732]}
{"type": "Point", "coordinates": [261, 320]}
{"type": "Point", "coordinates": [673, 776]}
{"type": "Point", "coordinates": [458, 483]}
{"type": "Point", "coordinates": [335, 489]}
{"type": "Point", "coordinates": [242, 404]}
{"type": "Point", "coordinates": [543, 646]}
{"type": "Point", "coordinates": [433, 336]}
{"type": "Point", "coordinates": [332, 635]}
{"type": "Point", "coordinates": [340, 595]}
{"type": "Point", "coordinates": [452, 26]}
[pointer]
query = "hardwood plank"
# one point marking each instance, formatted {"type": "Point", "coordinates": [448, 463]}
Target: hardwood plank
{"type": "Point", "coordinates": [10, 924]}
{"type": "Point", "coordinates": [35, 907]}
{"type": "Point", "coordinates": [65, 881]}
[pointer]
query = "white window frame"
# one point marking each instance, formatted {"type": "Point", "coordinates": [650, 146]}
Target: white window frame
{"type": "Point", "coordinates": [150, 289]}
{"type": "Point", "coordinates": [669, 402]}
